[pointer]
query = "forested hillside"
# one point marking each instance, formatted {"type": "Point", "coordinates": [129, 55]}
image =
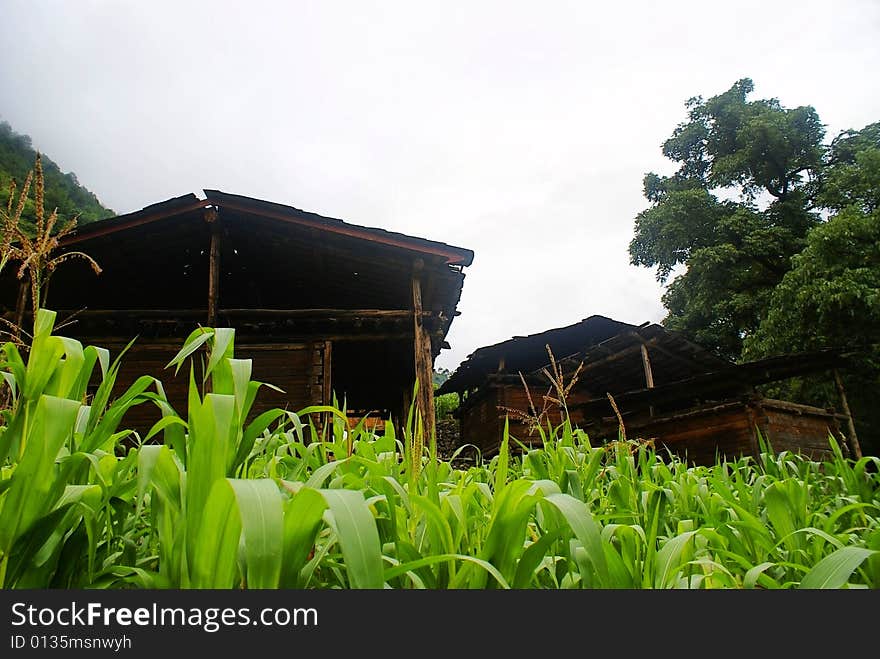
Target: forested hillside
{"type": "Point", "coordinates": [63, 190]}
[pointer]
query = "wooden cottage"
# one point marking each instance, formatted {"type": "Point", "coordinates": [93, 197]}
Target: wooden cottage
{"type": "Point", "coordinates": [321, 305]}
{"type": "Point", "coordinates": [665, 388]}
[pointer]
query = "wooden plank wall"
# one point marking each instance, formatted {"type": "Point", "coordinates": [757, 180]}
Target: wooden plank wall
{"type": "Point", "coordinates": [700, 437]}
{"type": "Point", "coordinates": [297, 368]}
{"type": "Point", "coordinates": [804, 431]}
{"type": "Point", "coordinates": [729, 430]}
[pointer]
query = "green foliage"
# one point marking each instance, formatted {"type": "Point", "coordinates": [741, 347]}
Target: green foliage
{"type": "Point", "coordinates": [63, 191]}
{"type": "Point", "coordinates": [777, 235]}
{"type": "Point", "coordinates": [831, 295]}
{"type": "Point", "coordinates": [446, 404]}
{"type": "Point", "coordinates": [735, 212]}
{"type": "Point", "coordinates": [852, 176]}
{"type": "Point", "coordinates": [63, 517]}
{"type": "Point", "coordinates": [440, 376]}
{"type": "Point", "coordinates": [328, 506]}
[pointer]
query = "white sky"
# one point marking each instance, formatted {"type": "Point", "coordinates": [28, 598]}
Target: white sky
{"type": "Point", "coordinates": [520, 130]}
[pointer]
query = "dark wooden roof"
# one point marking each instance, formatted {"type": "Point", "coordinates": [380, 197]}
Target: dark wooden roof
{"type": "Point", "coordinates": [609, 360]}
{"type": "Point", "coordinates": [607, 355]}
{"type": "Point", "coordinates": [615, 364]}
{"type": "Point", "coordinates": [272, 257]}
{"type": "Point", "coordinates": [223, 200]}
{"type": "Point", "coordinates": [528, 353]}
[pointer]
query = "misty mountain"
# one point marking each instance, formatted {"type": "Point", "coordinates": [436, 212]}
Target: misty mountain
{"type": "Point", "coordinates": [62, 190]}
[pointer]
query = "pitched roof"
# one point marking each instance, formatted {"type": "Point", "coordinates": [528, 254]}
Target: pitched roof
{"type": "Point", "coordinates": [215, 198]}
{"type": "Point", "coordinates": [528, 353]}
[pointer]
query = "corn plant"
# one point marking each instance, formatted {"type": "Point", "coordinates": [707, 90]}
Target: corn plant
{"type": "Point", "coordinates": [66, 476]}
{"type": "Point", "coordinates": [214, 499]}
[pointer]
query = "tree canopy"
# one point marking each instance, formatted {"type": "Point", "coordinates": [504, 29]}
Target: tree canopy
{"type": "Point", "coordinates": [736, 211]}
{"type": "Point", "coordinates": [773, 237]}
{"type": "Point", "coordinates": [831, 295]}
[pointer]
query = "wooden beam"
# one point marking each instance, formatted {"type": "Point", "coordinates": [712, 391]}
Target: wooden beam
{"type": "Point", "coordinates": [681, 358]}
{"type": "Point", "coordinates": [213, 266]}
{"type": "Point", "coordinates": [649, 374]}
{"type": "Point", "coordinates": [852, 440]}
{"type": "Point", "coordinates": [646, 364]}
{"type": "Point", "coordinates": [452, 255]}
{"type": "Point", "coordinates": [424, 360]}
{"type": "Point", "coordinates": [596, 363]}
{"type": "Point", "coordinates": [113, 225]}
{"type": "Point", "coordinates": [319, 314]}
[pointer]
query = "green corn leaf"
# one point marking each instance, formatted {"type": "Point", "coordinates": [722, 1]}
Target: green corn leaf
{"type": "Point", "coordinates": [30, 495]}
{"type": "Point", "coordinates": [323, 472]}
{"type": "Point", "coordinates": [532, 557]}
{"type": "Point", "coordinates": [834, 570]}
{"type": "Point", "coordinates": [208, 447]}
{"type": "Point", "coordinates": [252, 431]}
{"type": "Point", "coordinates": [241, 378]}
{"type": "Point", "coordinates": [33, 549]}
{"type": "Point", "coordinates": [437, 526]}
{"type": "Point", "coordinates": [101, 399]}
{"type": "Point", "coordinates": [193, 342]}
{"type": "Point", "coordinates": [214, 560]}
{"type": "Point", "coordinates": [671, 557]}
{"type": "Point", "coordinates": [358, 537]}
{"type": "Point", "coordinates": [410, 567]}
{"type": "Point", "coordinates": [101, 436]}
{"type": "Point", "coordinates": [754, 574]}
{"type": "Point", "coordinates": [157, 468]}
{"type": "Point", "coordinates": [302, 521]}
{"type": "Point", "coordinates": [15, 364]}
{"type": "Point", "coordinates": [586, 531]}
{"type": "Point", "coordinates": [503, 457]}
{"type": "Point", "coordinates": [44, 356]}
{"type": "Point", "coordinates": [780, 512]}
{"type": "Point", "coordinates": [219, 368]}
{"type": "Point", "coordinates": [91, 356]}
{"type": "Point", "coordinates": [163, 424]}
{"type": "Point", "coordinates": [262, 522]}
{"type": "Point", "coordinates": [69, 373]}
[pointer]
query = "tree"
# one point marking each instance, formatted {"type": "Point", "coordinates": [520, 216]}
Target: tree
{"type": "Point", "coordinates": [737, 210]}
{"type": "Point", "coordinates": [831, 295]}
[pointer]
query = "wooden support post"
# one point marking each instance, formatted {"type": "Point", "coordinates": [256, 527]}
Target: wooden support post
{"type": "Point", "coordinates": [852, 440]}
{"type": "Point", "coordinates": [649, 375]}
{"type": "Point", "coordinates": [325, 419]}
{"type": "Point", "coordinates": [328, 385]}
{"type": "Point", "coordinates": [424, 359]}
{"type": "Point", "coordinates": [213, 266]}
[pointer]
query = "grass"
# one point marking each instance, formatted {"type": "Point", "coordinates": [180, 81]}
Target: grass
{"type": "Point", "coordinates": [212, 499]}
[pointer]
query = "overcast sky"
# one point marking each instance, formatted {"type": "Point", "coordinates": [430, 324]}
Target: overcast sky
{"type": "Point", "coordinates": [520, 130]}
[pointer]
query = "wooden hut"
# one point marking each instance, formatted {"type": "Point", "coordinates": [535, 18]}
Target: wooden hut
{"type": "Point", "coordinates": [665, 388]}
{"type": "Point", "coordinates": [322, 306]}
